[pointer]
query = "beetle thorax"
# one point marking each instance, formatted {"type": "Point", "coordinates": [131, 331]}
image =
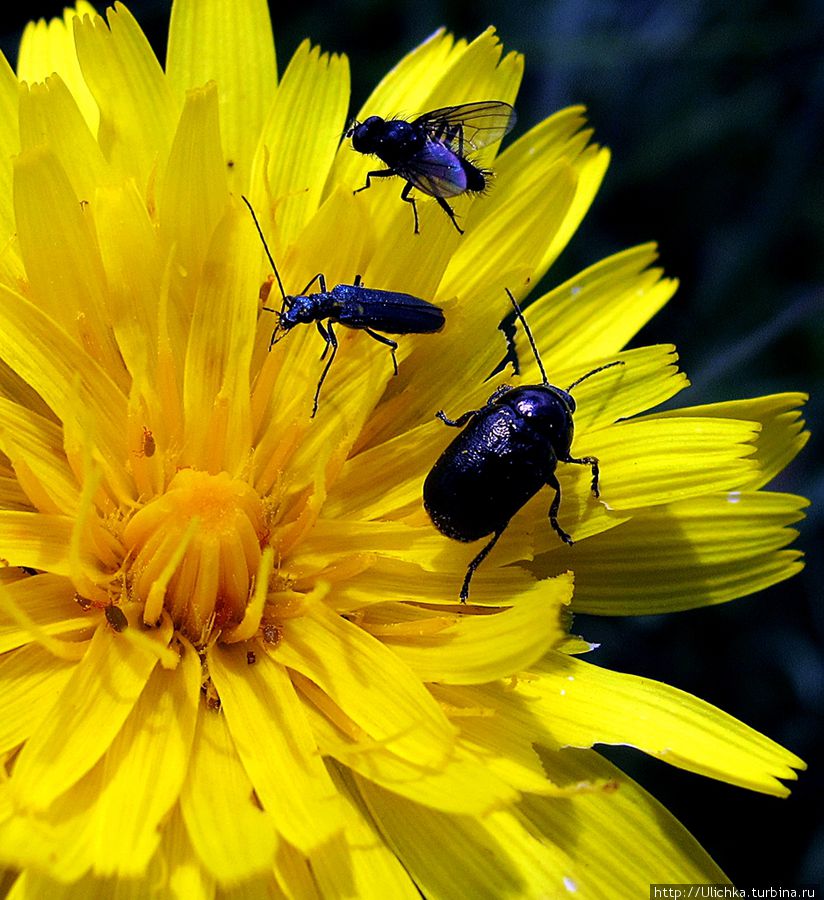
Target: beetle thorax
{"type": "Point", "coordinates": [548, 410]}
{"type": "Point", "coordinates": [302, 310]}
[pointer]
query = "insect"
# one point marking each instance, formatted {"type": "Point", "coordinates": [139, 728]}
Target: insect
{"type": "Point", "coordinates": [148, 444]}
{"type": "Point", "coordinates": [116, 618]}
{"type": "Point", "coordinates": [430, 152]}
{"type": "Point", "coordinates": [506, 454]}
{"type": "Point", "coordinates": [353, 306]}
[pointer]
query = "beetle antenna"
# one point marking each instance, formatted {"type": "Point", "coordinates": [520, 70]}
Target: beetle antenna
{"type": "Point", "coordinates": [529, 335]}
{"type": "Point", "coordinates": [618, 362]}
{"type": "Point", "coordinates": [265, 247]}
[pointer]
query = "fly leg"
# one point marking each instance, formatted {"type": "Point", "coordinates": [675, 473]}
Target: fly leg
{"type": "Point", "coordinates": [393, 345]}
{"type": "Point", "coordinates": [449, 211]}
{"type": "Point", "coordinates": [407, 199]}
{"type": "Point", "coordinates": [378, 173]}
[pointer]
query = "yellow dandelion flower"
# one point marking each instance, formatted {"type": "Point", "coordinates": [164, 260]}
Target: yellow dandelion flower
{"type": "Point", "coordinates": [232, 652]}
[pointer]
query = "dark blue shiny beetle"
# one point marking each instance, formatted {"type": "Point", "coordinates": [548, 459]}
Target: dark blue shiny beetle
{"type": "Point", "coordinates": [507, 453]}
{"type": "Point", "coordinates": [430, 152]}
{"type": "Point", "coordinates": [353, 306]}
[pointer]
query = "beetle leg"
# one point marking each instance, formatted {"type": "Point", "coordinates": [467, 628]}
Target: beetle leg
{"type": "Point", "coordinates": [498, 393]}
{"type": "Point", "coordinates": [450, 212]}
{"type": "Point", "coordinates": [357, 282]}
{"type": "Point", "coordinates": [460, 421]}
{"type": "Point", "coordinates": [592, 462]}
{"type": "Point", "coordinates": [325, 336]}
{"type": "Point", "coordinates": [552, 481]}
{"type": "Point", "coordinates": [331, 341]}
{"type": "Point", "coordinates": [320, 279]}
{"type": "Point", "coordinates": [393, 345]}
{"type": "Point", "coordinates": [470, 569]}
{"type": "Point", "coordinates": [407, 199]}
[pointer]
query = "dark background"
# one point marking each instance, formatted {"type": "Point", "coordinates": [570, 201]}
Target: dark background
{"type": "Point", "coordinates": [715, 116]}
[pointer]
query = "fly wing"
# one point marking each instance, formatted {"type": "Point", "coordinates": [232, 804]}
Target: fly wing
{"type": "Point", "coordinates": [436, 170]}
{"type": "Point", "coordinates": [469, 126]}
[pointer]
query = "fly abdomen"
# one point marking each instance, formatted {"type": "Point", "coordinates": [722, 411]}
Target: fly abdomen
{"type": "Point", "coordinates": [477, 179]}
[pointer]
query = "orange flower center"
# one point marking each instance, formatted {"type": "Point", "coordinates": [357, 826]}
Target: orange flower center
{"type": "Point", "coordinates": [195, 551]}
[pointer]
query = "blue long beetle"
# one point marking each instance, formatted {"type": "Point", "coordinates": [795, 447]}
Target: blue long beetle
{"type": "Point", "coordinates": [353, 306]}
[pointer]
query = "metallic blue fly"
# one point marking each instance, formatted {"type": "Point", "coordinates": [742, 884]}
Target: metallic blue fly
{"type": "Point", "coordinates": [431, 153]}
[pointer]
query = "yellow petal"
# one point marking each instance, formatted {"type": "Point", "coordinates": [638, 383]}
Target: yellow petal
{"type": "Point", "coordinates": [476, 70]}
{"type": "Point", "coordinates": [137, 111]}
{"type": "Point", "coordinates": [194, 192]}
{"type": "Point", "coordinates": [462, 784]}
{"type": "Point", "coordinates": [596, 312]}
{"type": "Point", "coordinates": [370, 684]}
{"type": "Point", "coordinates": [498, 730]}
{"type": "Point", "coordinates": [38, 541]}
{"type": "Point", "coordinates": [782, 434]}
{"type": "Point", "coordinates": [519, 224]}
{"type": "Point", "coordinates": [61, 254]}
{"type": "Point", "coordinates": [412, 584]}
{"type": "Point", "coordinates": [53, 841]}
{"type": "Point", "coordinates": [152, 747]}
{"type": "Point", "coordinates": [648, 376]}
{"type": "Point", "coordinates": [406, 85]}
{"type": "Point", "coordinates": [477, 649]}
{"type": "Point", "coordinates": [357, 863]}
{"type": "Point", "coordinates": [69, 743]}
{"type": "Point", "coordinates": [331, 540]}
{"type": "Point", "coordinates": [559, 136]}
{"type": "Point", "coordinates": [9, 144]}
{"type": "Point", "coordinates": [36, 442]}
{"type": "Point", "coordinates": [464, 353]}
{"type": "Point", "coordinates": [299, 140]}
{"type": "Point", "coordinates": [134, 291]}
{"type": "Point", "coordinates": [177, 868]}
{"type": "Point", "coordinates": [49, 603]}
{"type": "Point", "coordinates": [697, 552]}
{"type": "Point", "coordinates": [647, 462]}
{"type": "Point", "coordinates": [34, 681]}
{"type": "Point", "coordinates": [216, 386]}
{"type": "Point", "coordinates": [586, 704]}
{"type": "Point", "coordinates": [633, 838]}
{"type": "Point", "coordinates": [50, 115]}
{"type": "Point", "coordinates": [231, 45]}
{"type": "Point", "coordinates": [48, 47]}
{"type": "Point", "coordinates": [274, 742]}
{"type": "Point", "coordinates": [12, 495]}
{"type": "Point", "coordinates": [218, 790]}
{"type": "Point", "coordinates": [357, 493]}
{"type": "Point", "coordinates": [78, 389]}
{"type": "Point", "coordinates": [499, 856]}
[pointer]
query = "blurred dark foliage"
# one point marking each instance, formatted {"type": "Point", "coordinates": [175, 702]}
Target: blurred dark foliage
{"type": "Point", "coordinates": [715, 116]}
